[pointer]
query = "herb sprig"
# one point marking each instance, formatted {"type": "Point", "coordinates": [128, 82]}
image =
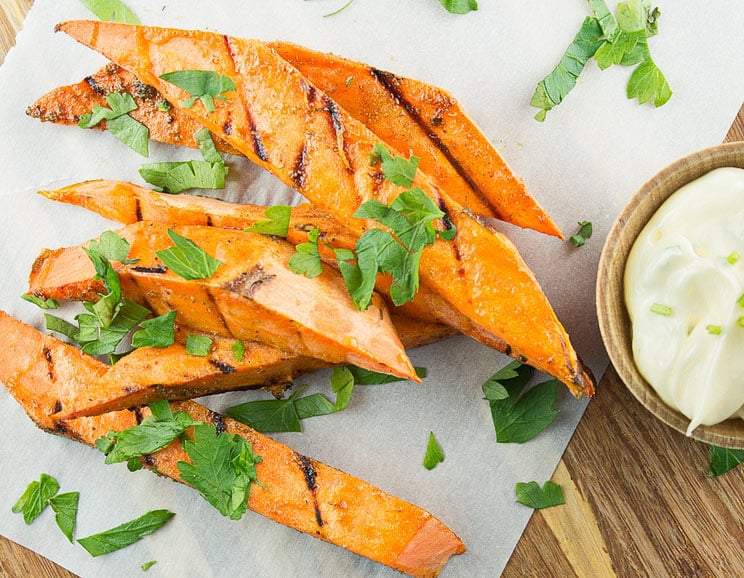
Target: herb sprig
{"type": "Point", "coordinates": [119, 123]}
{"type": "Point", "coordinates": [203, 85]}
{"type": "Point", "coordinates": [532, 495]}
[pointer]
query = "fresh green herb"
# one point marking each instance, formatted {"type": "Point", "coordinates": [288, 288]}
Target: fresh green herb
{"type": "Point", "coordinates": [94, 339]}
{"type": "Point", "coordinates": [154, 433]}
{"type": "Point", "coordinates": [723, 459]}
{"type": "Point", "coordinates": [119, 123]}
{"type": "Point", "coordinates": [163, 106]}
{"type": "Point", "coordinates": [341, 9]}
{"type": "Point", "coordinates": [532, 495]}
{"type": "Point", "coordinates": [367, 377]}
{"type": "Point", "coordinates": [733, 258]}
{"type": "Point", "coordinates": [65, 512]}
{"type": "Point", "coordinates": [459, 6]}
{"type": "Point", "coordinates": [434, 453]}
{"type": "Point", "coordinates": [125, 534]}
{"type": "Point", "coordinates": [277, 224]}
{"type": "Point", "coordinates": [349, 81]}
{"type": "Point", "coordinates": [584, 233]}
{"type": "Point", "coordinates": [111, 11]}
{"type": "Point", "coordinates": [147, 565]}
{"type": "Point", "coordinates": [714, 329]}
{"type": "Point", "coordinates": [61, 326]}
{"type": "Point", "coordinates": [179, 176]}
{"type": "Point", "coordinates": [198, 344]}
{"type": "Point", "coordinates": [520, 416]}
{"type": "Point", "coordinates": [622, 41]}
{"type": "Point", "coordinates": [740, 300]}
{"type": "Point", "coordinates": [222, 468]}
{"type": "Point", "coordinates": [397, 170]}
{"type": "Point", "coordinates": [740, 321]}
{"type": "Point", "coordinates": [238, 349]}
{"type": "Point", "coordinates": [187, 260]}
{"type": "Point", "coordinates": [156, 332]}
{"type": "Point", "coordinates": [36, 498]}
{"type": "Point", "coordinates": [306, 260]}
{"type": "Point", "coordinates": [661, 309]}
{"type": "Point", "coordinates": [39, 302]}
{"type": "Point", "coordinates": [205, 85]}
{"type": "Point", "coordinates": [551, 91]}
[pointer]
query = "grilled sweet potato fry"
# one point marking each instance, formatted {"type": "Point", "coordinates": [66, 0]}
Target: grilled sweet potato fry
{"type": "Point", "coordinates": [252, 296]}
{"type": "Point", "coordinates": [291, 128]}
{"type": "Point", "coordinates": [44, 374]}
{"type": "Point", "coordinates": [407, 114]}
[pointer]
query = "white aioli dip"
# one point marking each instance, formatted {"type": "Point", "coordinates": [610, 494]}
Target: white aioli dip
{"type": "Point", "coordinates": [690, 258]}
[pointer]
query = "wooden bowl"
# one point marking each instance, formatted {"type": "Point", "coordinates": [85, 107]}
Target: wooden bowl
{"type": "Point", "coordinates": [614, 322]}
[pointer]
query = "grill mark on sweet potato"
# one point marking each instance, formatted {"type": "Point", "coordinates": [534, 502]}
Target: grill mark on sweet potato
{"type": "Point", "coordinates": [298, 173]}
{"type": "Point", "coordinates": [309, 91]}
{"type": "Point", "coordinates": [138, 209]}
{"type": "Point", "coordinates": [339, 130]}
{"type": "Point", "coordinates": [247, 282]}
{"type": "Point", "coordinates": [224, 368]}
{"type": "Point", "coordinates": [308, 470]}
{"type": "Point", "coordinates": [137, 411]}
{"type": "Point", "coordinates": [227, 128]}
{"type": "Point", "coordinates": [209, 221]}
{"type": "Point", "coordinates": [94, 86]}
{"type": "Point", "coordinates": [158, 269]}
{"type": "Point", "coordinates": [50, 362]}
{"type": "Point", "coordinates": [216, 308]}
{"type": "Point", "coordinates": [57, 407]}
{"type": "Point", "coordinates": [389, 82]}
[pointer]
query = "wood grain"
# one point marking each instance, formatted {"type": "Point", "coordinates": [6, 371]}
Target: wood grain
{"type": "Point", "coordinates": [638, 501]}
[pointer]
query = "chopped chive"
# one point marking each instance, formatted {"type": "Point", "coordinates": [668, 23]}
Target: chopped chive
{"type": "Point", "coordinates": [733, 258]}
{"type": "Point", "coordinates": [713, 329]}
{"type": "Point", "coordinates": [661, 309]}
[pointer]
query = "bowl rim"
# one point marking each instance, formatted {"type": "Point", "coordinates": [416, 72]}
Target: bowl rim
{"type": "Point", "coordinates": [609, 289]}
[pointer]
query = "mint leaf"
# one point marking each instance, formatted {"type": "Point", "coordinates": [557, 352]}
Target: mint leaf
{"type": "Point", "coordinates": [65, 508]}
{"type": "Point", "coordinates": [222, 468]}
{"type": "Point", "coordinates": [723, 460]}
{"type": "Point", "coordinates": [520, 416]}
{"type": "Point", "coordinates": [551, 91]}
{"type": "Point", "coordinates": [306, 260]}
{"type": "Point", "coordinates": [277, 224]}
{"type": "Point", "coordinates": [111, 11]}
{"type": "Point", "coordinates": [459, 6]}
{"type": "Point", "coordinates": [119, 123]}
{"type": "Point", "coordinates": [205, 85]}
{"type": "Point", "coordinates": [198, 344]}
{"type": "Point", "coordinates": [187, 260]}
{"type": "Point", "coordinates": [532, 495]}
{"type": "Point", "coordinates": [585, 232]}
{"type": "Point", "coordinates": [39, 302]}
{"type": "Point", "coordinates": [434, 454]}
{"type": "Point", "coordinates": [156, 332]}
{"type": "Point", "coordinates": [125, 534]}
{"type": "Point", "coordinates": [36, 498]}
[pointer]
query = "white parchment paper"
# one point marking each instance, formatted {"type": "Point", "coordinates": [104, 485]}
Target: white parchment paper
{"type": "Point", "coordinates": [590, 155]}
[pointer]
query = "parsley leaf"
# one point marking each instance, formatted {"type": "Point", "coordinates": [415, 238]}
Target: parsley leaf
{"type": "Point", "coordinates": [434, 453]}
{"type": "Point", "coordinates": [532, 495]}
{"type": "Point", "coordinates": [459, 6]}
{"type": "Point", "coordinates": [222, 468]}
{"type": "Point", "coordinates": [520, 416]}
{"type": "Point", "coordinates": [205, 85]}
{"type": "Point", "coordinates": [306, 260]}
{"type": "Point", "coordinates": [238, 349]}
{"type": "Point", "coordinates": [277, 224]}
{"type": "Point", "coordinates": [187, 260]}
{"type": "Point", "coordinates": [125, 534]}
{"type": "Point", "coordinates": [647, 82]}
{"type": "Point", "coordinates": [368, 377]}
{"type": "Point", "coordinates": [94, 339]}
{"type": "Point", "coordinates": [119, 123]}
{"type": "Point", "coordinates": [65, 512]}
{"type": "Point", "coordinates": [111, 10]}
{"type": "Point", "coordinates": [147, 565]}
{"type": "Point", "coordinates": [41, 303]}
{"type": "Point", "coordinates": [198, 344]}
{"type": "Point", "coordinates": [154, 433]}
{"type": "Point", "coordinates": [36, 498]}
{"type": "Point", "coordinates": [178, 176]}
{"type": "Point", "coordinates": [156, 332]}
{"type": "Point", "coordinates": [723, 459]}
{"type": "Point", "coordinates": [397, 170]}
{"type": "Point", "coordinates": [584, 233]}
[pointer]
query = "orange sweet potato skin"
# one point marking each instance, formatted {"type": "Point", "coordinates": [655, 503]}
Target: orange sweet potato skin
{"type": "Point", "coordinates": [42, 374]}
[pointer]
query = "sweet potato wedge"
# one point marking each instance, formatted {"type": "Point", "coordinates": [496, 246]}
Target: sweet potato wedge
{"type": "Point", "coordinates": [43, 374]}
{"type": "Point", "coordinates": [408, 114]}
{"type": "Point", "coordinates": [285, 124]}
{"type": "Point", "coordinates": [253, 296]}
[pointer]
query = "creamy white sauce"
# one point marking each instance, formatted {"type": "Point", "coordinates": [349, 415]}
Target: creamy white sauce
{"type": "Point", "coordinates": [682, 259]}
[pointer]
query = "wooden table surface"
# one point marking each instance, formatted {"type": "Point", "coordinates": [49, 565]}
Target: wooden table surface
{"type": "Point", "coordinates": [638, 500]}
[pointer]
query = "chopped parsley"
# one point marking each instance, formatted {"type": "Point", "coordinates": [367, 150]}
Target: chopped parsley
{"type": "Point", "coordinates": [434, 453]}
{"type": "Point", "coordinates": [187, 260]}
{"type": "Point", "coordinates": [197, 344]}
{"type": "Point", "coordinates": [459, 6]}
{"type": "Point", "coordinates": [39, 302]}
{"type": "Point", "coordinates": [238, 349]}
{"type": "Point", "coordinates": [277, 223]}
{"type": "Point", "coordinates": [723, 460]}
{"type": "Point", "coordinates": [203, 85]}
{"type": "Point", "coordinates": [125, 534]}
{"type": "Point", "coordinates": [585, 232]}
{"type": "Point", "coordinates": [43, 493]}
{"type": "Point", "coordinates": [532, 495]}
{"type": "Point", "coordinates": [119, 123]}
{"type": "Point", "coordinates": [306, 260]}
{"type": "Point", "coordinates": [661, 309]}
{"type": "Point", "coordinates": [111, 11]}
{"type": "Point", "coordinates": [157, 332]}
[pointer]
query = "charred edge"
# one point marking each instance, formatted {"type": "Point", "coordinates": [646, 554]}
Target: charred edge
{"type": "Point", "coordinates": [337, 125]}
{"type": "Point", "coordinates": [258, 146]}
{"type": "Point", "coordinates": [218, 420]}
{"type": "Point", "coordinates": [138, 209]}
{"type": "Point", "coordinates": [298, 173]}
{"type": "Point", "coordinates": [148, 460]}
{"type": "Point", "coordinates": [446, 219]}
{"type": "Point", "coordinates": [308, 470]}
{"type": "Point", "coordinates": [160, 269]}
{"type": "Point", "coordinates": [309, 91]}
{"type": "Point", "coordinates": [144, 91]}
{"type": "Point", "coordinates": [50, 362]}
{"type": "Point", "coordinates": [60, 427]}
{"type": "Point", "coordinates": [137, 414]}
{"type": "Point", "coordinates": [216, 308]}
{"type": "Point", "coordinates": [247, 283]}
{"type": "Point", "coordinates": [227, 128]}
{"type": "Point", "coordinates": [508, 350]}
{"type": "Point", "coordinates": [209, 221]}
{"type": "Point", "coordinates": [94, 86]}
{"type": "Point", "coordinates": [389, 82]}
{"type": "Point", "coordinates": [224, 368]}
{"type": "Point", "coordinates": [57, 407]}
